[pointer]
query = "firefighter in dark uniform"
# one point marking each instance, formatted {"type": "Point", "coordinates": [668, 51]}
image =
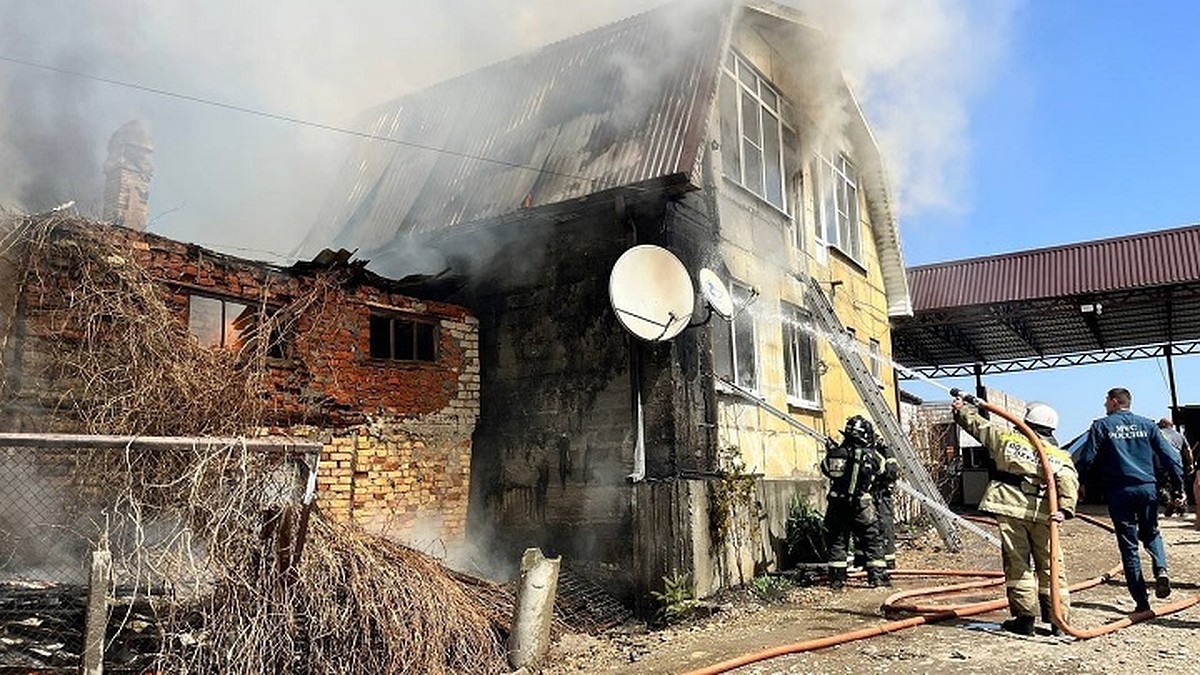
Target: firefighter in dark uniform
{"type": "Point", "coordinates": [883, 493]}
{"type": "Point", "coordinates": [851, 467]}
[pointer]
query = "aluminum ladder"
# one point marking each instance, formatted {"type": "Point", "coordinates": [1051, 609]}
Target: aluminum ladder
{"type": "Point", "coordinates": [886, 424]}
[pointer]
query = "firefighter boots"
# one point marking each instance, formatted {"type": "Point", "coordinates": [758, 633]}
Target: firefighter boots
{"type": "Point", "coordinates": [1021, 625]}
{"type": "Point", "coordinates": [878, 576]}
{"type": "Point", "coordinates": [837, 577]}
{"type": "Point", "coordinates": [1047, 615]}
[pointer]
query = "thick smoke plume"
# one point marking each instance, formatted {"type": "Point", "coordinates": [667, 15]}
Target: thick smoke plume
{"type": "Point", "coordinates": [252, 184]}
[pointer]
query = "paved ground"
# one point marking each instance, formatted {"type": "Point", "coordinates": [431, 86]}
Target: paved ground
{"type": "Point", "coordinates": [1165, 645]}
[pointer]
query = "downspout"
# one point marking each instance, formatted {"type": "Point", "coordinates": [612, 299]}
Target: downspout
{"type": "Point", "coordinates": [635, 365]}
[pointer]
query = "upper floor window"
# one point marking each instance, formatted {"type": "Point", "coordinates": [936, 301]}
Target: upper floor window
{"type": "Point", "coordinates": [755, 138]}
{"type": "Point", "coordinates": [229, 324]}
{"type": "Point", "coordinates": [734, 353]}
{"type": "Point", "coordinates": [800, 372]}
{"type": "Point", "coordinates": [835, 191]}
{"type": "Point", "coordinates": [402, 339]}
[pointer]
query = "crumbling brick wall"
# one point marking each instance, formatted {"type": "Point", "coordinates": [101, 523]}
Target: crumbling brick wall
{"type": "Point", "coordinates": [397, 432]}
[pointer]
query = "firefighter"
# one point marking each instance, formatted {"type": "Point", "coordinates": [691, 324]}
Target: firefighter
{"type": "Point", "coordinates": [1016, 495]}
{"type": "Point", "coordinates": [851, 467]}
{"type": "Point", "coordinates": [883, 494]}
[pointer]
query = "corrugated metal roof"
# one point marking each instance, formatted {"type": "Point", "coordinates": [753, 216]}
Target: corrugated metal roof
{"type": "Point", "coordinates": [616, 106]}
{"type": "Point", "coordinates": [1136, 261]}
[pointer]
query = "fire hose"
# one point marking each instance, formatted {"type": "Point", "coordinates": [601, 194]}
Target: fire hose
{"type": "Point", "coordinates": [932, 613]}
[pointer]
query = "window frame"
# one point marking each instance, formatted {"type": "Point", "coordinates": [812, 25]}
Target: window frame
{"type": "Point", "coordinates": [875, 353]}
{"type": "Point", "coordinates": [277, 347]}
{"type": "Point", "coordinates": [729, 341]}
{"type": "Point", "coordinates": [794, 373]}
{"type": "Point", "coordinates": [748, 81]}
{"type": "Point", "coordinates": [837, 204]}
{"type": "Point", "coordinates": [392, 320]}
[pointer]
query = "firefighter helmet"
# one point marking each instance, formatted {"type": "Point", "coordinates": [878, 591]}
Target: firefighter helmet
{"type": "Point", "coordinates": [1038, 414]}
{"type": "Point", "coordinates": [860, 430]}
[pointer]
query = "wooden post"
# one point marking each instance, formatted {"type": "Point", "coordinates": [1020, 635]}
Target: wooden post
{"type": "Point", "coordinates": [530, 638]}
{"type": "Point", "coordinates": [96, 619]}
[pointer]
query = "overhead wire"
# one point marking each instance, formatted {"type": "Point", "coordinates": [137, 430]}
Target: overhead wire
{"type": "Point", "coordinates": [288, 118]}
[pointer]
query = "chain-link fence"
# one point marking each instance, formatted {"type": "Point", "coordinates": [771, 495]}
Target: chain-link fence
{"type": "Point", "coordinates": [179, 517]}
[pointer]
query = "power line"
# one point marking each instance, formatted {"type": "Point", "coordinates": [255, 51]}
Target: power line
{"type": "Point", "coordinates": [286, 118]}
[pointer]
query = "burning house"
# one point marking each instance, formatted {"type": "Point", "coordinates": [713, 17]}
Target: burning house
{"type": "Point", "coordinates": [386, 378]}
{"type": "Point", "coordinates": [719, 133]}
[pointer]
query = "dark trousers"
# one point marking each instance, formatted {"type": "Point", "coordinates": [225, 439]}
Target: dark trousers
{"type": "Point", "coordinates": [845, 516]}
{"type": "Point", "coordinates": [1134, 512]}
{"type": "Point", "coordinates": [885, 510]}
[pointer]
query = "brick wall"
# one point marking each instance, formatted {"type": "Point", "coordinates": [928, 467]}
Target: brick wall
{"type": "Point", "coordinates": [397, 432]}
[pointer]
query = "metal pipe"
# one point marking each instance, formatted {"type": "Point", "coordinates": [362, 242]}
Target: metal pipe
{"type": "Point", "coordinates": [153, 442]}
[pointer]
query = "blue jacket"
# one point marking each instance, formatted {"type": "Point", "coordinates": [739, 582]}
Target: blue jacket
{"type": "Point", "coordinates": [1124, 447]}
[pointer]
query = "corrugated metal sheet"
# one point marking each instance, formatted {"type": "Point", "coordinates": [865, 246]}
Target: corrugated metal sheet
{"type": "Point", "coordinates": [1136, 261]}
{"type": "Point", "coordinates": [616, 106]}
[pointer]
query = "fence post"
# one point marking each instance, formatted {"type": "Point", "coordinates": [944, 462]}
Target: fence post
{"type": "Point", "coordinates": [534, 609]}
{"type": "Point", "coordinates": [96, 622]}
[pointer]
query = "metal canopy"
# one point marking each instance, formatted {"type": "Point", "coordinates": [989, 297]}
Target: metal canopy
{"type": "Point", "coordinates": [1093, 302]}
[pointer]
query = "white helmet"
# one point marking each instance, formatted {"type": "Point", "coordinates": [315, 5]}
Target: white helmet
{"type": "Point", "coordinates": [1041, 415]}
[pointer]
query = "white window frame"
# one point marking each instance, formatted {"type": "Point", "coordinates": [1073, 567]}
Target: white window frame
{"type": "Point", "coordinates": [744, 320]}
{"type": "Point", "coordinates": [794, 372]}
{"type": "Point", "coordinates": [751, 88]}
{"type": "Point", "coordinates": [838, 221]}
{"type": "Point", "coordinates": [875, 352]}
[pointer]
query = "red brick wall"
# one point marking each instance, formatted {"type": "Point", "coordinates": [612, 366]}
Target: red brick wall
{"type": "Point", "coordinates": [398, 433]}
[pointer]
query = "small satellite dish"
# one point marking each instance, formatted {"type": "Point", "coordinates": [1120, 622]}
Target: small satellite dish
{"type": "Point", "coordinates": [715, 292]}
{"type": "Point", "coordinates": [651, 292]}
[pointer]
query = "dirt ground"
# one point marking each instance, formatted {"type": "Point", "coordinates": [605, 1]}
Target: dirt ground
{"type": "Point", "coordinates": [744, 624]}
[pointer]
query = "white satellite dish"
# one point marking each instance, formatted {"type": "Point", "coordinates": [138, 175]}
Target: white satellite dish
{"type": "Point", "coordinates": [715, 292]}
{"type": "Point", "coordinates": [651, 292]}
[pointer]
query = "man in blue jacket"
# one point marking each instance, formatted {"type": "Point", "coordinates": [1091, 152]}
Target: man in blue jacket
{"type": "Point", "coordinates": [1123, 447]}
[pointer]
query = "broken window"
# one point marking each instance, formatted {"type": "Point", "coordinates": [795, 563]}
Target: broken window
{"type": "Point", "coordinates": [402, 339]}
{"type": "Point", "coordinates": [734, 351]}
{"type": "Point", "coordinates": [835, 189]}
{"type": "Point", "coordinates": [755, 135]}
{"type": "Point", "coordinates": [800, 359]}
{"type": "Point", "coordinates": [229, 324]}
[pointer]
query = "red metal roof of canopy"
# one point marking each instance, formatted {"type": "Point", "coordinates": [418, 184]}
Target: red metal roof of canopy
{"type": "Point", "coordinates": [1090, 302]}
{"type": "Point", "coordinates": [1134, 261]}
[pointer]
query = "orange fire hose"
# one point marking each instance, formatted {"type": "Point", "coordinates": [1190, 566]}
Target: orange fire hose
{"type": "Point", "coordinates": [935, 613]}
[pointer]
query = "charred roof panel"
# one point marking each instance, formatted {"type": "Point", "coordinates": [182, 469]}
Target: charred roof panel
{"type": "Point", "coordinates": [616, 106]}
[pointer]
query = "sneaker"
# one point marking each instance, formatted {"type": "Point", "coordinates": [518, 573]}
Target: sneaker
{"type": "Point", "coordinates": [1021, 625]}
{"type": "Point", "coordinates": [1162, 586]}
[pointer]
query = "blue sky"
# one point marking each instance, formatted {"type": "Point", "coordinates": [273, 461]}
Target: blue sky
{"type": "Point", "coordinates": [1089, 128]}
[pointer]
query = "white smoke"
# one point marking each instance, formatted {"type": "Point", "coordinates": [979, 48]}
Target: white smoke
{"type": "Point", "coordinates": [916, 66]}
{"type": "Point", "coordinates": [230, 179]}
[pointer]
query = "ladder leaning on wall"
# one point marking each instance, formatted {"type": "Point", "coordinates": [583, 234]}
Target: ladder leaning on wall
{"type": "Point", "coordinates": [886, 423]}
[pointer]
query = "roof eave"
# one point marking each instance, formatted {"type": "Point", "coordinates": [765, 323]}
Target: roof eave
{"type": "Point", "coordinates": [884, 226]}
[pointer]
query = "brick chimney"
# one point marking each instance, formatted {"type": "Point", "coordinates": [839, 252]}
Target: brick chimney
{"type": "Point", "coordinates": [127, 174]}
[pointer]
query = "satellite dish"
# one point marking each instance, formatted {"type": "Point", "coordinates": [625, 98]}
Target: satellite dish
{"type": "Point", "coordinates": [651, 292]}
{"type": "Point", "coordinates": [715, 292]}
